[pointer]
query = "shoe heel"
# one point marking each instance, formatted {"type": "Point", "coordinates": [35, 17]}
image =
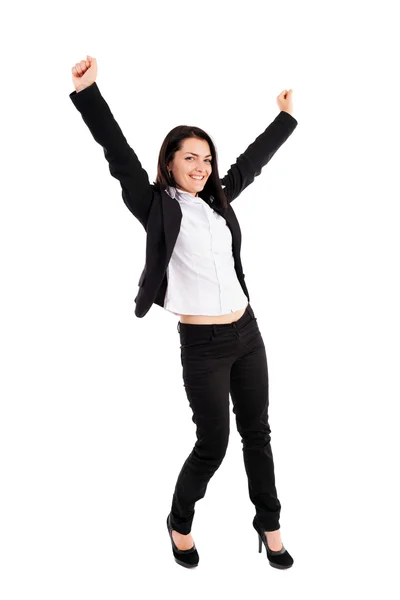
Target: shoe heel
{"type": "Point", "coordinates": [279, 559]}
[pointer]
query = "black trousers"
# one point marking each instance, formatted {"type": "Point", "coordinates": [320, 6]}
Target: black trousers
{"type": "Point", "coordinates": [219, 360]}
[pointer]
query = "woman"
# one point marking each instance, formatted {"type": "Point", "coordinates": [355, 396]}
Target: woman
{"type": "Point", "coordinates": [193, 269]}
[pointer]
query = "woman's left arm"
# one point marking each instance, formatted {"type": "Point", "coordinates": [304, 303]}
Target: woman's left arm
{"type": "Point", "coordinates": [250, 164]}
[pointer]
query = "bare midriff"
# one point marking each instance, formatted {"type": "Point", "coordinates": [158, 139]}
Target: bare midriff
{"type": "Point", "coordinates": [210, 320]}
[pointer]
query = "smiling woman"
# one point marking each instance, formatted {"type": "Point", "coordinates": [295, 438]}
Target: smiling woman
{"type": "Point", "coordinates": [188, 160]}
{"type": "Point", "coordinates": [193, 269]}
{"type": "Point", "coordinates": [191, 165]}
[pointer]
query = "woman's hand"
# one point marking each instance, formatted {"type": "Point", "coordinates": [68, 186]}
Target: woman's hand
{"type": "Point", "coordinates": [84, 73]}
{"type": "Point", "coordinates": [285, 101]}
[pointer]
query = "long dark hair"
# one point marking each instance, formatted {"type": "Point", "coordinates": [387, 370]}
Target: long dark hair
{"type": "Point", "coordinates": [171, 144]}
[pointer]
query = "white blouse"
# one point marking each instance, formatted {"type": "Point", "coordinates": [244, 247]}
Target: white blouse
{"type": "Point", "coordinates": [201, 274]}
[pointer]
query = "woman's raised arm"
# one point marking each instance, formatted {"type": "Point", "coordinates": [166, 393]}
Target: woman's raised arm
{"type": "Point", "coordinates": [123, 162]}
{"type": "Point", "coordinates": [251, 162]}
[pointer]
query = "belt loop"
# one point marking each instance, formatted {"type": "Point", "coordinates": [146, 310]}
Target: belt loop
{"type": "Point", "coordinates": [179, 326]}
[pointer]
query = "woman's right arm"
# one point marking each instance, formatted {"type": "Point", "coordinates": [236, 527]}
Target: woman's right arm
{"type": "Point", "coordinates": [123, 162]}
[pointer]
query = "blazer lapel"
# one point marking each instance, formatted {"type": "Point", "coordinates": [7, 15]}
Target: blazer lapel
{"type": "Point", "coordinates": [172, 217]}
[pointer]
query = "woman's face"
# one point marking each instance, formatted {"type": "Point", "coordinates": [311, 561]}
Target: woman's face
{"type": "Point", "coordinates": [193, 159]}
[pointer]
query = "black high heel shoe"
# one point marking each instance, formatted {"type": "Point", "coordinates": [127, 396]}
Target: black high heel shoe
{"type": "Point", "coordinates": [280, 559]}
{"type": "Point", "coordinates": [186, 558]}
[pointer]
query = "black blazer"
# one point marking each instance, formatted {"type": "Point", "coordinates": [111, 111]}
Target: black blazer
{"type": "Point", "coordinates": [160, 214]}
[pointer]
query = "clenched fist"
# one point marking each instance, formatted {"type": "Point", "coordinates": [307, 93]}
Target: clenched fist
{"type": "Point", "coordinates": [84, 73]}
{"type": "Point", "coordinates": [285, 102]}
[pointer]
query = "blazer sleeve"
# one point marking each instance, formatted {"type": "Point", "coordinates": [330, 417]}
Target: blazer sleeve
{"type": "Point", "coordinates": [249, 164]}
{"type": "Point", "coordinates": [123, 163]}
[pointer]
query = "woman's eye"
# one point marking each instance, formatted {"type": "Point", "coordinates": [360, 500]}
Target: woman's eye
{"type": "Point", "coordinates": [189, 157]}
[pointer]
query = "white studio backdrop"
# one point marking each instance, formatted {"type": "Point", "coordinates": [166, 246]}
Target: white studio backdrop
{"type": "Point", "coordinates": [95, 424]}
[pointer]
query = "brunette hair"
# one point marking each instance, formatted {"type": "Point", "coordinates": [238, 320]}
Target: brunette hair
{"type": "Point", "coordinates": [171, 144]}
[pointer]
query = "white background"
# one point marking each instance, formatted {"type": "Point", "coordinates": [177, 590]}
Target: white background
{"type": "Point", "coordinates": [95, 424]}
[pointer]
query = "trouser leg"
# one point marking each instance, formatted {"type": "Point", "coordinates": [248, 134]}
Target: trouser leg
{"type": "Point", "coordinates": [249, 392]}
{"type": "Point", "coordinates": [206, 380]}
